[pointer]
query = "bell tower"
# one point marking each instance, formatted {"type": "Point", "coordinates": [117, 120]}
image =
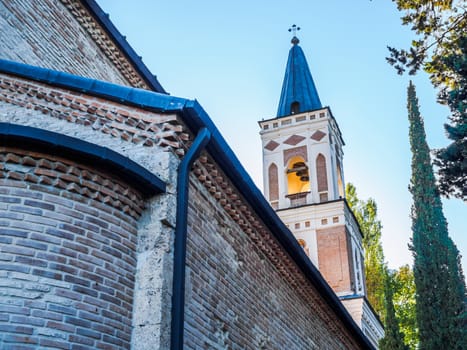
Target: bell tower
{"type": "Point", "coordinates": [304, 182]}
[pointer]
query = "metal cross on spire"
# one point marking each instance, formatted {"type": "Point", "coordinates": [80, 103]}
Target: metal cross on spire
{"type": "Point", "coordinates": [294, 29]}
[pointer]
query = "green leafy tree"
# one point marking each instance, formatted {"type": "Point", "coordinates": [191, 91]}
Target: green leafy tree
{"type": "Point", "coordinates": [440, 286]}
{"type": "Point", "coordinates": [440, 48]}
{"type": "Point", "coordinates": [393, 338]}
{"type": "Point", "coordinates": [403, 285]}
{"type": "Point", "coordinates": [366, 215]}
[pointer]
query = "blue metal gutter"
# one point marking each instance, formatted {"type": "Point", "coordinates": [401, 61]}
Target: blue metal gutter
{"type": "Point", "coordinates": [103, 19]}
{"type": "Point", "coordinates": [72, 148]}
{"type": "Point", "coordinates": [178, 296]}
{"type": "Point", "coordinates": [113, 92]}
{"type": "Point", "coordinates": [196, 118]}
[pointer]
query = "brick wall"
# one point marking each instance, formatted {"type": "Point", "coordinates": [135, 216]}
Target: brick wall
{"type": "Point", "coordinates": [67, 254]}
{"type": "Point", "coordinates": [237, 297]}
{"type": "Point", "coordinates": [154, 141]}
{"type": "Point", "coordinates": [91, 118]}
{"type": "Point", "coordinates": [53, 38]}
{"type": "Point", "coordinates": [334, 258]}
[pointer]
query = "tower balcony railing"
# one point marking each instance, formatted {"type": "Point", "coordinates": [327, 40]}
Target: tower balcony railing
{"type": "Point", "coordinates": [297, 199]}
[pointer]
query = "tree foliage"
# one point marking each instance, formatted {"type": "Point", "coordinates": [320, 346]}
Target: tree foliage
{"type": "Point", "coordinates": [403, 285]}
{"type": "Point", "coordinates": [440, 286]}
{"type": "Point", "coordinates": [393, 338]}
{"type": "Point", "coordinates": [366, 215]}
{"type": "Point", "coordinates": [440, 48]}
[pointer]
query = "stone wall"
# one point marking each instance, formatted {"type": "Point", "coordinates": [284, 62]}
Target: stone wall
{"type": "Point", "coordinates": [152, 140]}
{"type": "Point", "coordinates": [47, 33]}
{"type": "Point", "coordinates": [237, 295]}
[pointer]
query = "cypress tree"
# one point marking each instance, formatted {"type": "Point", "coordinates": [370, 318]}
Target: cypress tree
{"type": "Point", "coordinates": [393, 338]}
{"type": "Point", "coordinates": [440, 286]}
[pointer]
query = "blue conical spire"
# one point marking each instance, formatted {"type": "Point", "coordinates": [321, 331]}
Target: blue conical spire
{"type": "Point", "coordinates": [299, 93]}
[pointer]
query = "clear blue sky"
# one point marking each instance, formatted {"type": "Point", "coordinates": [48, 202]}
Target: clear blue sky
{"type": "Point", "coordinates": [231, 56]}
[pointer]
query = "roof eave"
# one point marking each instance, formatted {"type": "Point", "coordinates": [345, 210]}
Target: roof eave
{"type": "Point", "coordinates": [103, 19]}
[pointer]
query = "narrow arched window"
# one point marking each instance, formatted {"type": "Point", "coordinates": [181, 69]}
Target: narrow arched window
{"type": "Point", "coordinates": [322, 177]}
{"type": "Point", "coordinates": [295, 108]}
{"type": "Point", "coordinates": [273, 183]}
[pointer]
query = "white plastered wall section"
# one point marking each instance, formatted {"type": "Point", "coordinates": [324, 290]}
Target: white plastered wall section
{"type": "Point", "coordinates": [304, 125]}
{"type": "Point", "coordinates": [303, 221]}
{"type": "Point", "coordinates": [323, 216]}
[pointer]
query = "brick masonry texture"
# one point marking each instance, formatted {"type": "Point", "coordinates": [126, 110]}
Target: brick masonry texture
{"type": "Point", "coordinates": [67, 254]}
{"type": "Point", "coordinates": [153, 140]}
{"type": "Point", "coordinates": [333, 246]}
{"type": "Point", "coordinates": [62, 35]}
{"type": "Point", "coordinates": [126, 123]}
{"type": "Point", "coordinates": [240, 294]}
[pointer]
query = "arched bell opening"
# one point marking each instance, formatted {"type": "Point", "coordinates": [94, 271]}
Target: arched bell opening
{"type": "Point", "coordinates": [298, 181]}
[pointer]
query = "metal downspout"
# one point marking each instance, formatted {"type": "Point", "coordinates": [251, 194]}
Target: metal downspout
{"type": "Point", "coordinates": [178, 287]}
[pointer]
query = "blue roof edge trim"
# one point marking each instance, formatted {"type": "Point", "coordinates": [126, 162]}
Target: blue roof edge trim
{"type": "Point", "coordinates": [118, 93]}
{"type": "Point", "coordinates": [120, 40]}
{"type": "Point", "coordinates": [69, 147]}
{"type": "Point", "coordinates": [195, 117]}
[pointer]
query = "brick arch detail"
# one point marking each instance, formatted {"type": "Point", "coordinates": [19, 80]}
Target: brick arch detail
{"type": "Point", "coordinates": [295, 152]}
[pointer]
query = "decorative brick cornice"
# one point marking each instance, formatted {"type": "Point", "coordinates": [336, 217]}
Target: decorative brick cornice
{"type": "Point", "coordinates": [220, 187]}
{"type": "Point", "coordinates": [104, 42]}
{"type": "Point", "coordinates": [67, 177]}
{"type": "Point", "coordinates": [128, 123]}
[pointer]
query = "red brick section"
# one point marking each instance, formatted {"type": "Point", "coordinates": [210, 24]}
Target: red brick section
{"type": "Point", "coordinates": [273, 182]}
{"type": "Point", "coordinates": [237, 266]}
{"type": "Point", "coordinates": [334, 258]}
{"type": "Point", "coordinates": [67, 254]}
{"type": "Point", "coordinates": [321, 173]}
{"type": "Point", "coordinates": [125, 122]}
